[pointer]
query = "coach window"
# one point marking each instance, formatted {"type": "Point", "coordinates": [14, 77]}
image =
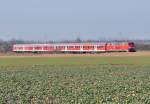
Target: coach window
{"type": "Point", "coordinates": [99, 46]}
{"type": "Point", "coordinates": [45, 47]}
{"type": "Point", "coordinates": [50, 47]}
{"type": "Point", "coordinates": [85, 46]}
{"type": "Point", "coordinates": [59, 46]}
{"type": "Point", "coordinates": [77, 46]}
{"type": "Point", "coordinates": [71, 46]}
{"type": "Point", "coordinates": [90, 46]}
{"type": "Point", "coordinates": [37, 47]}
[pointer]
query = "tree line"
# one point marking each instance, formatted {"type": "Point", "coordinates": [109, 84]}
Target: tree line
{"type": "Point", "coordinates": [6, 46]}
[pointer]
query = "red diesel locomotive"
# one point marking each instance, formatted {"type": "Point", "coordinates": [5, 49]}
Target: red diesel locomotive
{"type": "Point", "coordinates": [76, 47]}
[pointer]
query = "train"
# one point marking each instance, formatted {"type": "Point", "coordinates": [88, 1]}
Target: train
{"type": "Point", "coordinates": [75, 47]}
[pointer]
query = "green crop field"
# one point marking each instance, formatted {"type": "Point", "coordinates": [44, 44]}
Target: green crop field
{"type": "Point", "coordinates": [75, 80]}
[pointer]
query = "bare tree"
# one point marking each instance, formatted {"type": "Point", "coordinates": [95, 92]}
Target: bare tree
{"type": "Point", "coordinates": [78, 40]}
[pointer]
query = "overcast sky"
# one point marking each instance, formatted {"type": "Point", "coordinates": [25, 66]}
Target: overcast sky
{"type": "Point", "coordinates": [68, 19]}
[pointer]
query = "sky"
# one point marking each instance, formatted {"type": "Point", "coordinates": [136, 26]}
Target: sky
{"type": "Point", "coordinates": [69, 19]}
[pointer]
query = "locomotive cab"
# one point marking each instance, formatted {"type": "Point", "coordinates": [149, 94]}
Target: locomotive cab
{"type": "Point", "coordinates": [131, 47]}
